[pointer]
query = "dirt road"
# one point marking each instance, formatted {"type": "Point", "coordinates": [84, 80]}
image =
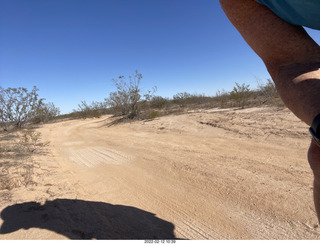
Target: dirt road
{"type": "Point", "coordinates": [208, 175]}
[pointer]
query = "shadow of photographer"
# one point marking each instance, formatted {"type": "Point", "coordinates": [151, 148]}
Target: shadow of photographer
{"type": "Point", "coordinates": [78, 219]}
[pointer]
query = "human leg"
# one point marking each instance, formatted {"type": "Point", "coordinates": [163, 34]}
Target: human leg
{"type": "Point", "coordinates": [314, 159]}
{"type": "Point", "coordinates": [287, 51]}
{"type": "Point", "coordinates": [292, 59]}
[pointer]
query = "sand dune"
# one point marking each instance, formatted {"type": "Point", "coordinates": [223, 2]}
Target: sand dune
{"type": "Point", "coordinates": [229, 174]}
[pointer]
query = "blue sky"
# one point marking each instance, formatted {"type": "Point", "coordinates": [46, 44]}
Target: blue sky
{"type": "Point", "coordinates": [71, 49]}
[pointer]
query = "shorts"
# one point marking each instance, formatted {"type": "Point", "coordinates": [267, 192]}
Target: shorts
{"type": "Point", "coordinates": [297, 12]}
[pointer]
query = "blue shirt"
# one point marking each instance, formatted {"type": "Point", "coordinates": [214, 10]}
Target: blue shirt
{"type": "Point", "coordinates": [297, 12]}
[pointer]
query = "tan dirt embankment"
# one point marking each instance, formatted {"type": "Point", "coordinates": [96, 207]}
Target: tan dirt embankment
{"type": "Point", "coordinates": [237, 174]}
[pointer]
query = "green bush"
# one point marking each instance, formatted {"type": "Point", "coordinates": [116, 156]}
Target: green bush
{"type": "Point", "coordinates": [159, 102]}
{"type": "Point", "coordinates": [240, 94]}
{"type": "Point", "coordinates": [153, 114]}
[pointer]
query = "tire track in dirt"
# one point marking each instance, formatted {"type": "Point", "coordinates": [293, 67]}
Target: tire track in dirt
{"type": "Point", "coordinates": [186, 224]}
{"type": "Point", "coordinates": [93, 156]}
{"type": "Point", "coordinates": [246, 224]}
{"type": "Point", "coordinates": [209, 187]}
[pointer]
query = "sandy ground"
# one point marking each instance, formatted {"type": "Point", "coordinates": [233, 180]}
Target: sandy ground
{"type": "Point", "coordinates": [230, 174]}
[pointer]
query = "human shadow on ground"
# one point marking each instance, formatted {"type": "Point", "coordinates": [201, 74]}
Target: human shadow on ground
{"type": "Point", "coordinates": [78, 219]}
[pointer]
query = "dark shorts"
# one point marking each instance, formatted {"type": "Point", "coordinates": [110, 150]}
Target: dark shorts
{"type": "Point", "coordinates": [297, 12]}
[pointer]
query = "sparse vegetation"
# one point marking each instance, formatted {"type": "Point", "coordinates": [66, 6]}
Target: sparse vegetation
{"type": "Point", "coordinates": [159, 102]}
{"type": "Point", "coordinates": [240, 94]}
{"type": "Point", "coordinates": [184, 98]}
{"type": "Point", "coordinates": [267, 93]}
{"type": "Point", "coordinates": [96, 109]}
{"type": "Point", "coordinates": [16, 163]}
{"type": "Point", "coordinates": [153, 114]}
{"type": "Point", "coordinates": [30, 142]}
{"type": "Point", "coordinates": [128, 100]}
{"type": "Point", "coordinates": [222, 97]}
{"type": "Point", "coordinates": [45, 113]}
{"type": "Point", "coordinates": [19, 106]}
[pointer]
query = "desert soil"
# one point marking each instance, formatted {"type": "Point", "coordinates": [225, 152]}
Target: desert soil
{"type": "Point", "coordinates": [215, 174]}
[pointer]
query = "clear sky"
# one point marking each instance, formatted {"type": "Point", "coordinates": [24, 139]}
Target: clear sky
{"type": "Point", "coordinates": [71, 49]}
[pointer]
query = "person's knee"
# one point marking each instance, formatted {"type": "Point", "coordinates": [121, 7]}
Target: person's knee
{"type": "Point", "coordinates": [298, 86]}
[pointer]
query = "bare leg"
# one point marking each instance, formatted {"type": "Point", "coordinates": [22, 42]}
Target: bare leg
{"type": "Point", "coordinates": [290, 55]}
{"type": "Point", "coordinates": [292, 59]}
{"type": "Point", "coordinates": [314, 159]}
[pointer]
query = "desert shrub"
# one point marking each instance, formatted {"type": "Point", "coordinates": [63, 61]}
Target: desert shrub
{"type": "Point", "coordinates": [153, 114]}
{"type": "Point", "coordinates": [128, 99]}
{"type": "Point", "coordinates": [185, 98]}
{"type": "Point", "coordinates": [159, 102]}
{"type": "Point", "coordinates": [181, 98]}
{"type": "Point", "coordinates": [7, 182]}
{"type": "Point", "coordinates": [88, 111]}
{"type": "Point", "coordinates": [268, 92]}
{"type": "Point", "coordinates": [27, 173]}
{"type": "Point", "coordinates": [30, 142]}
{"type": "Point", "coordinates": [16, 164]}
{"type": "Point", "coordinates": [125, 100]}
{"type": "Point", "coordinates": [240, 94]}
{"type": "Point", "coordinates": [18, 106]}
{"type": "Point", "coordinates": [17, 174]}
{"type": "Point", "coordinates": [95, 113]}
{"type": "Point", "coordinates": [222, 97]}
{"type": "Point", "coordinates": [83, 109]}
{"type": "Point", "coordinates": [45, 113]}
{"type": "Point", "coordinates": [197, 99]}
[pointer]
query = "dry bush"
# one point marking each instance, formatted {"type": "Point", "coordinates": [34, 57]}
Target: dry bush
{"type": "Point", "coordinates": [184, 99]}
{"type": "Point", "coordinates": [94, 110]}
{"type": "Point", "coordinates": [7, 182]}
{"type": "Point", "coordinates": [26, 174]}
{"type": "Point", "coordinates": [16, 175]}
{"type": "Point", "coordinates": [16, 164]}
{"type": "Point", "coordinates": [129, 99]}
{"type": "Point", "coordinates": [223, 97]}
{"type": "Point", "coordinates": [153, 114]}
{"type": "Point", "coordinates": [45, 113]}
{"type": "Point", "coordinates": [19, 107]}
{"type": "Point", "coordinates": [159, 102]}
{"type": "Point", "coordinates": [30, 142]}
